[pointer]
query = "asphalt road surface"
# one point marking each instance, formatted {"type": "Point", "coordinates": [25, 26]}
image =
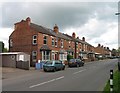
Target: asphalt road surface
{"type": "Point", "coordinates": [91, 77]}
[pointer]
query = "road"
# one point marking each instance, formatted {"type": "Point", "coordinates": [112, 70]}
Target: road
{"type": "Point", "coordinates": [91, 77]}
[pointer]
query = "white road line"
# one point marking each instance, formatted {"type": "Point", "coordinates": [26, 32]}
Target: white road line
{"type": "Point", "coordinates": [46, 82]}
{"type": "Point", "coordinates": [79, 71]}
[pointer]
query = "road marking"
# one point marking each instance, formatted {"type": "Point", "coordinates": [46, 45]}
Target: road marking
{"type": "Point", "coordinates": [46, 82]}
{"type": "Point", "coordinates": [79, 71]}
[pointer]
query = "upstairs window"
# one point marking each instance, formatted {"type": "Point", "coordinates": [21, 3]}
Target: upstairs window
{"type": "Point", "coordinates": [56, 42]}
{"type": "Point", "coordinates": [34, 39]}
{"type": "Point", "coordinates": [76, 44]}
{"type": "Point", "coordinates": [11, 43]}
{"type": "Point", "coordinates": [53, 43]}
{"type": "Point", "coordinates": [45, 40]}
{"type": "Point", "coordinates": [61, 43]}
{"type": "Point", "coordinates": [34, 55]}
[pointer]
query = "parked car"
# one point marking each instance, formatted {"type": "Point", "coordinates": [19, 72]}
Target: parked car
{"type": "Point", "coordinates": [75, 62]}
{"type": "Point", "coordinates": [53, 65]}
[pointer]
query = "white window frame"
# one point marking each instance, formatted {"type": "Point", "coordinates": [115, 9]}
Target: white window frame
{"type": "Point", "coordinates": [45, 39]}
{"type": "Point", "coordinates": [34, 39]}
{"type": "Point", "coordinates": [53, 42]}
{"type": "Point", "coordinates": [61, 43]}
{"type": "Point", "coordinates": [56, 42]}
{"type": "Point", "coordinates": [61, 56]}
{"type": "Point", "coordinates": [84, 48]}
{"type": "Point", "coordinates": [45, 55]}
{"type": "Point", "coordinates": [11, 43]}
{"type": "Point", "coordinates": [53, 56]}
{"type": "Point", "coordinates": [34, 53]}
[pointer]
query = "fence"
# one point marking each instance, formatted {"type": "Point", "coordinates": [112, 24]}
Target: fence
{"type": "Point", "coordinates": [23, 65]}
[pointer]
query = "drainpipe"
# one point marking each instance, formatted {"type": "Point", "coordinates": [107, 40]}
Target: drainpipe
{"type": "Point", "coordinates": [75, 49]}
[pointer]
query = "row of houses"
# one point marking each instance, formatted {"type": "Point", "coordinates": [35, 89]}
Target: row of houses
{"type": "Point", "coordinates": [42, 43]}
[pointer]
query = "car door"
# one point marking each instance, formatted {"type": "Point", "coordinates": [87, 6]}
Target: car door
{"type": "Point", "coordinates": [60, 64]}
{"type": "Point", "coordinates": [57, 64]}
{"type": "Point", "coordinates": [78, 61]}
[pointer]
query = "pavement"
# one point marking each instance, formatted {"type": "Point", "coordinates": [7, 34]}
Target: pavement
{"type": "Point", "coordinates": [91, 77]}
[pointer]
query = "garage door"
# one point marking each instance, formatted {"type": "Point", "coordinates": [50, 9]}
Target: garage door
{"type": "Point", "coordinates": [9, 61]}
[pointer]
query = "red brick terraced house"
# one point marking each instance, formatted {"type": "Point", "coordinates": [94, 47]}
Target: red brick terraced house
{"type": "Point", "coordinates": [82, 48]}
{"type": "Point", "coordinates": [47, 44]}
{"type": "Point", "coordinates": [102, 51]}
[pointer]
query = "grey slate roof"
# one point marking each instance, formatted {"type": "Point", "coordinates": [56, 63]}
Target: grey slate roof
{"type": "Point", "coordinates": [48, 31]}
{"type": "Point", "coordinates": [40, 29]}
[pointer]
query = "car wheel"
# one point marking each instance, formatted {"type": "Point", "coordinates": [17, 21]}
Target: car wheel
{"type": "Point", "coordinates": [63, 68]}
{"type": "Point", "coordinates": [45, 70]}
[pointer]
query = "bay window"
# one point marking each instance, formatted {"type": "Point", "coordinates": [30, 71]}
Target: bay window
{"type": "Point", "coordinates": [45, 55]}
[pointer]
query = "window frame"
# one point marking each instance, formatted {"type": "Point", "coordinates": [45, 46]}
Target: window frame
{"type": "Point", "coordinates": [45, 56]}
{"type": "Point", "coordinates": [34, 39]}
{"type": "Point", "coordinates": [45, 40]}
{"type": "Point", "coordinates": [56, 42]}
{"type": "Point", "coordinates": [61, 43]}
{"type": "Point", "coordinates": [11, 42]}
{"type": "Point", "coordinates": [34, 55]}
{"type": "Point", "coordinates": [53, 42]}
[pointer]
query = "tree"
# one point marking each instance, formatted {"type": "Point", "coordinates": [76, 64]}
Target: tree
{"type": "Point", "coordinates": [69, 57]}
{"type": "Point", "coordinates": [5, 50]}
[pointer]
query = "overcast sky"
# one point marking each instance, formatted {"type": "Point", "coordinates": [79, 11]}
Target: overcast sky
{"type": "Point", "coordinates": [96, 21]}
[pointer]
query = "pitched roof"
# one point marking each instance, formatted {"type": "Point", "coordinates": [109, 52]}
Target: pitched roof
{"type": "Point", "coordinates": [40, 29]}
{"type": "Point", "coordinates": [48, 31]}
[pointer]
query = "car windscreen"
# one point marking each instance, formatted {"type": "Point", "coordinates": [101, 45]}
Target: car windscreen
{"type": "Point", "coordinates": [72, 60]}
{"type": "Point", "coordinates": [49, 62]}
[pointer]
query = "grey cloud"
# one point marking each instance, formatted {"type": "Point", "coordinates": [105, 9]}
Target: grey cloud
{"type": "Point", "coordinates": [47, 14]}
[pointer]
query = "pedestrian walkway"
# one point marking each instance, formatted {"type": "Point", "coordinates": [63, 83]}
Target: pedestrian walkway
{"type": "Point", "coordinates": [15, 72]}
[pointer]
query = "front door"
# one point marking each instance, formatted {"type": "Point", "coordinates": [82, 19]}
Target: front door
{"type": "Point", "coordinates": [56, 56]}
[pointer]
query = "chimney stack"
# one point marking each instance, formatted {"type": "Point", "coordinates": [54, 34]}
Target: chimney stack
{"type": "Point", "coordinates": [73, 35]}
{"type": "Point", "coordinates": [102, 46]}
{"type": "Point", "coordinates": [83, 38]}
{"type": "Point", "coordinates": [55, 28]}
{"type": "Point", "coordinates": [28, 20]}
{"type": "Point", "coordinates": [99, 45]}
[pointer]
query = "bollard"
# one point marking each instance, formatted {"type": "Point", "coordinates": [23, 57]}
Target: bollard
{"type": "Point", "coordinates": [118, 65]}
{"type": "Point", "coordinates": [111, 80]}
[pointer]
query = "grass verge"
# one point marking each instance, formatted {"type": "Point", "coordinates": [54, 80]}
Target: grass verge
{"type": "Point", "coordinates": [116, 83]}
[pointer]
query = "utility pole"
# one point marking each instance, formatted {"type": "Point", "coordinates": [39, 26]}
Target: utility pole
{"type": "Point", "coordinates": [75, 49]}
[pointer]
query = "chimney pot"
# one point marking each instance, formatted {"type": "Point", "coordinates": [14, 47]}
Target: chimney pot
{"type": "Point", "coordinates": [83, 38]}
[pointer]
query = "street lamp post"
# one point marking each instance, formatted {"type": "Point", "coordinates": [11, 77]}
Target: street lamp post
{"type": "Point", "coordinates": [118, 44]}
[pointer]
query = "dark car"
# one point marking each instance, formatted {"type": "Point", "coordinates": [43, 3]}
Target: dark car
{"type": "Point", "coordinates": [75, 63]}
{"type": "Point", "coordinates": [53, 65]}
